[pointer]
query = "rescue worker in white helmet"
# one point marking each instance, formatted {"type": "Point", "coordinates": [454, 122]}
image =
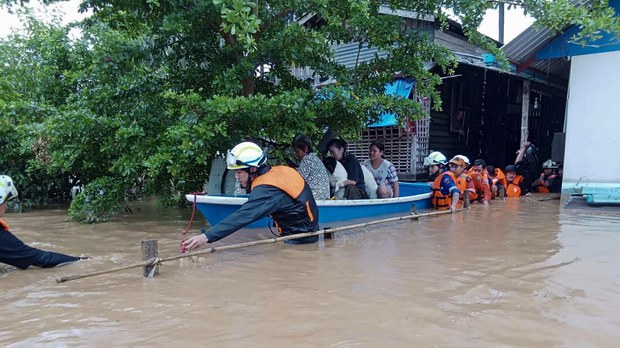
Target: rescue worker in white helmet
{"type": "Point", "coordinates": [445, 192]}
{"type": "Point", "coordinates": [545, 181]}
{"type": "Point", "coordinates": [12, 250]}
{"type": "Point", "coordinates": [278, 191]}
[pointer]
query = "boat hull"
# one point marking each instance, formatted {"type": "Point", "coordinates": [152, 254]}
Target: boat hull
{"type": "Point", "coordinates": [217, 208]}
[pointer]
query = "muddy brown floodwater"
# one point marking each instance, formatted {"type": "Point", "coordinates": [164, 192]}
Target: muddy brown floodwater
{"type": "Point", "coordinates": [517, 273]}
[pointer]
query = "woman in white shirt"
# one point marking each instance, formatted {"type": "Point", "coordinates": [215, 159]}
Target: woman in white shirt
{"type": "Point", "coordinates": [383, 171]}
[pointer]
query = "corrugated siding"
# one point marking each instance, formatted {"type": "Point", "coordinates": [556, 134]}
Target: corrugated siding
{"type": "Point", "coordinates": [347, 54]}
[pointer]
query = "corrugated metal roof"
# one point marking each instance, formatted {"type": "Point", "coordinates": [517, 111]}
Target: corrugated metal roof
{"type": "Point", "coordinates": [523, 47]}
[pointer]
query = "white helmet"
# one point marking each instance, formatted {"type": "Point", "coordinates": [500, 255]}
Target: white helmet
{"type": "Point", "coordinates": [7, 189]}
{"type": "Point", "coordinates": [549, 164]}
{"type": "Point", "coordinates": [464, 158]}
{"type": "Point", "coordinates": [245, 155]}
{"type": "Point", "coordinates": [435, 158]}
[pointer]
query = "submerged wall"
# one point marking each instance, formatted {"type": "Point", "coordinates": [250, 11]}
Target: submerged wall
{"type": "Point", "coordinates": [593, 122]}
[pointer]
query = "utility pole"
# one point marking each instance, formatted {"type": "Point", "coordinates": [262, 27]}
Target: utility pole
{"type": "Point", "coordinates": [501, 23]}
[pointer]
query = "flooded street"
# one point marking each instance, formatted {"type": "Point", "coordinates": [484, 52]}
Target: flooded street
{"type": "Point", "coordinates": [517, 273]}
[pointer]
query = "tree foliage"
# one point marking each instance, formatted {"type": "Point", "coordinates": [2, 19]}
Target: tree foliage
{"type": "Point", "coordinates": [152, 89]}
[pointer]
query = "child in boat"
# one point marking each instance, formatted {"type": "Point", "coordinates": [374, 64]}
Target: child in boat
{"type": "Point", "coordinates": [12, 250]}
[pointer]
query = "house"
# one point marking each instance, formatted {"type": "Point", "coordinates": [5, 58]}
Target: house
{"type": "Point", "coordinates": [482, 105]}
{"type": "Point", "coordinates": [592, 106]}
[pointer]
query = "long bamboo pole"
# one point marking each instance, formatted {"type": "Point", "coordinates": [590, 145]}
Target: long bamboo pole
{"type": "Point", "coordinates": [158, 260]}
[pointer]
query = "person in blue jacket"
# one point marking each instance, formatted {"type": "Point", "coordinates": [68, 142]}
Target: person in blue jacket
{"type": "Point", "coordinates": [12, 250]}
{"type": "Point", "coordinates": [279, 192]}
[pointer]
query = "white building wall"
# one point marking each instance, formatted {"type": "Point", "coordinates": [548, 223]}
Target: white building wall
{"type": "Point", "coordinates": [592, 151]}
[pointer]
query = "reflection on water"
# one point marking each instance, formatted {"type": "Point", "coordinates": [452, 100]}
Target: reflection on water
{"type": "Point", "coordinates": [520, 272]}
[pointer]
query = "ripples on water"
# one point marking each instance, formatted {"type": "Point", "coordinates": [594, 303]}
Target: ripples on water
{"type": "Point", "coordinates": [517, 273]}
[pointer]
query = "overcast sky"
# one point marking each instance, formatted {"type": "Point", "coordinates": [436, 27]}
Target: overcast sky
{"type": "Point", "coordinates": [515, 21]}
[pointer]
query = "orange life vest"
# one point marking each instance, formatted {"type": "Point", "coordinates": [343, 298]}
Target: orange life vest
{"type": "Point", "coordinates": [438, 199]}
{"type": "Point", "coordinates": [543, 188]}
{"type": "Point", "coordinates": [4, 225]}
{"type": "Point", "coordinates": [288, 180]}
{"type": "Point", "coordinates": [513, 189]}
{"type": "Point", "coordinates": [499, 177]}
{"type": "Point", "coordinates": [463, 182]}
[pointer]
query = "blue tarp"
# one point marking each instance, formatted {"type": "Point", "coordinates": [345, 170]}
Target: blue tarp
{"type": "Point", "coordinates": [400, 87]}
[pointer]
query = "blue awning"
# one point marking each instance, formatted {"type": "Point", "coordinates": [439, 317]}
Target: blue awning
{"type": "Point", "coordinates": [400, 87]}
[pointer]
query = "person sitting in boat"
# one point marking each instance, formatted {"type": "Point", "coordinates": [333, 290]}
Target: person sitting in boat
{"type": "Point", "coordinates": [311, 168]}
{"type": "Point", "coordinates": [445, 194]}
{"type": "Point", "coordinates": [544, 182]}
{"type": "Point", "coordinates": [278, 191]}
{"type": "Point", "coordinates": [463, 181]}
{"type": "Point", "coordinates": [12, 250]}
{"type": "Point", "coordinates": [497, 181]}
{"type": "Point", "coordinates": [382, 170]}
{"type": "Point", "coordinates": [480, 179]}
{"type": "Point", "coordinates": [355, 187]}
{"type": "Point", "coordinates": [515, 184]}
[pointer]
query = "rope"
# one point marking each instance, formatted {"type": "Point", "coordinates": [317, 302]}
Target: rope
{"type": "Point", "coordinates": [191, 219]}
{"type": "Point", "coordinates": [154, 262]}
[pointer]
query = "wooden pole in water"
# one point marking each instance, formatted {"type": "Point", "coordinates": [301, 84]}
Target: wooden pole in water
{"type": "Point", "coordinates": [157, 260]}
{"type": "Point", "coordinates": [150, 251]}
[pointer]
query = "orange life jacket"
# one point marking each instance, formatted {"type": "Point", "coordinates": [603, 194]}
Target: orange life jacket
{"type": "Point", "coordinates": [499, 177]}
{"type": "Point", "coordinates": [305, 211]}
{"type": "Point", "coordinates": [543, 188]}
{"type": "Point", "coordinates": [513, 189]}
{"type": "Point", "coordinates": [438, 199]}
{"type": "Point", "coordinates": [4, 225]}
{"type": "Point", "coordinates": [463, 182]}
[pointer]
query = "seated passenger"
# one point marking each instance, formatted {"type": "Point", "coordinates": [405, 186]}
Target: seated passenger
{"type": "Point", "coordinates": [497, 181]}
{"type": "Point", "coordinates": [544, 182]}
{"type": "Point", "coordinates": [12, 250]}
{"type": "Point", "coordinates": [445, 193]}
{"type": "Point", "coordinates": [311, 168]}
{"type": "Point", "coordinates": [354, 185]}
{"type": "Point", "coordinates": [515, 185]}
{"type": "Point", "coordinates": [337, 177]}
{"type": "Point", "coordinates": [383, 172]}
{"type": "Point", "coordinates": [480, 179]}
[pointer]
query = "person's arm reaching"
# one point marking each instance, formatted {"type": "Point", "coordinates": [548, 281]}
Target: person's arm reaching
{"type": "Point", "coordinates": [263, 200]}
